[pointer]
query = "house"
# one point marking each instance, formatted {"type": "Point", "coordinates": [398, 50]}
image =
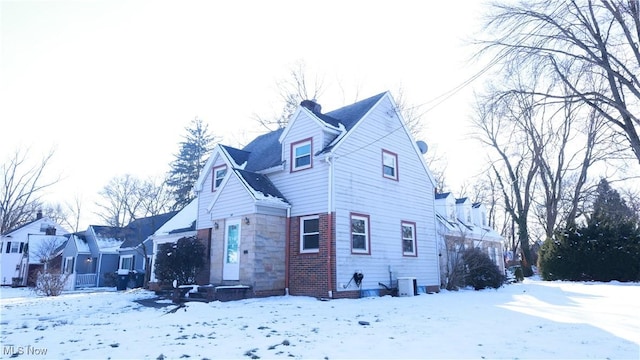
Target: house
{"type": "Point", "coordinates": [337, 204]}
{"type": "Point", "coordinates": [463, 224]}
{"type": "Point", "coordinates": [136, 251]}
{"type": "Point", "coordinates": [92, 257]}
{"type": "Point", "coordinates": [181, 225]}
{"type": "Point", "coordinates": [14, 243]}
{"type": "Point", "coordinates": [43, 254]}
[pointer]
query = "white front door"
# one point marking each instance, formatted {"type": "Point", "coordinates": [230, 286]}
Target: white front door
{"type": "Point", "coordinates": [231, 263]}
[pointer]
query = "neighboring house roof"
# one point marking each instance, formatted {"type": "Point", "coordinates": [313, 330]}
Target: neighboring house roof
{"type": "Point", "coordinates": [442, 195]}
{"type": "Point", "coordinates": [80, 240]}
{"type": "Point", "coordinates": [139, 230]}
{"type": "Point", "coordinates": [183, 221]}
{"type": "Point", "coordinates": [108, 238]}
{"type": "Point", "coordinates": [476, 205]}
{"type": "Point", "coordinates": [461, 200]}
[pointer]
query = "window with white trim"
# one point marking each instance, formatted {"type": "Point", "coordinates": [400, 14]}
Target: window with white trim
{"type": "Point", "coordinates": [301, 155]}
{"type": "Point", "coordinates": [409, 246]}
{"type": "Point", "coordinates": [68, 265]}
{"type": "Point", "coordinates": [389, 165]}
{"type": "Point", "coordinates": [219, 173]}
{"type": "Point", "coordinates": [309, 234]}
{"type": "Point", "coordinates": [360, 234]}
{"type": "Point", "coordinates": [126, 262]}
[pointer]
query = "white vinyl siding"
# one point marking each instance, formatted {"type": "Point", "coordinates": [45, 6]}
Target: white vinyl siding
{"type": "Point", "coordinates": [358, 189]}
{"type": "Point", "coordinates": [305, 190]}
{"type": "Point", "coordinates": [205, 196]}
{"type": "Point", "coordinates": [234, 200]}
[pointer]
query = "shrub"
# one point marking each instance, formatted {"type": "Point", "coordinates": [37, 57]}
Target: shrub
{"type": "Point", "coordinates": [181, 261]}
{"type": "Point", "coordinates": [480, 271]}
{"type": "Point", "coordinates": [50, 283]}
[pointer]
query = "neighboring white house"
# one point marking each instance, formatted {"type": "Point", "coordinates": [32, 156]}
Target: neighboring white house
{"type": "Point", "coordinates": [463, 224]}
{"type": "Point", "coordinates": [336, 204]}
{"type": "Point", "coordinates": [12, 257]}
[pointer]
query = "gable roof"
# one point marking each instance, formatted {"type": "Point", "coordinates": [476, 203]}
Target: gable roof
{"type": "Point", "coordinates": [266, 151]}
{"type": "Point", "coordinates": [184, 220]}
{"type": "Point", "coordinates": [442, 195]}
{"type": "Point", "coordinates": [140, 229]}
{"type": "Point", "coordinates": [461, 200]}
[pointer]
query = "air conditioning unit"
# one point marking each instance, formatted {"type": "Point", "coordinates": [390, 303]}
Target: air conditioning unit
{"type": "Point", "coordinates": [407, 286]}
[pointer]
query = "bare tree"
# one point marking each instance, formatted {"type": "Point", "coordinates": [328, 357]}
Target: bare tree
{"type": "Point", "coordinates": [593, 47]}
{"type": "Point", "coordinates": [127, 198]}
{"type": "Point", "coordinates": [292, 90]}
{"type": "Point", "coordinates": [514, 166]}
{"type": "Point", "coordinates": [22, 188]}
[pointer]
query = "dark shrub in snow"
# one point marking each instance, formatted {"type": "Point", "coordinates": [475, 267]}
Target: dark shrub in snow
{"type": "Point", "coordinates": [181, 261]}
{"type": "Point", "coordinates": [481, 271]}
{"type": "Point", "coordinates": [606, 248]}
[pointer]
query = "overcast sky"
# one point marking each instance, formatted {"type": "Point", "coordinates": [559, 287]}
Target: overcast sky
{"type": "Point", "coordinates": [111, 85]}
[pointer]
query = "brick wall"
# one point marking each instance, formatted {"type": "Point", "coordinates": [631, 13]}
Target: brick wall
{"type": "Point", "coordinates": [309, 272]}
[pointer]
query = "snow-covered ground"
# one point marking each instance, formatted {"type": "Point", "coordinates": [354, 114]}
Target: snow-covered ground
{"type": "Point", "coordinates": [530, 320]}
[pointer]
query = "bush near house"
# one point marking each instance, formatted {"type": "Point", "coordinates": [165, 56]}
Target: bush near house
{"type": "Point", "coordinates": [181, 261]}
{"type": "Point", "coordinates": [480, 271]}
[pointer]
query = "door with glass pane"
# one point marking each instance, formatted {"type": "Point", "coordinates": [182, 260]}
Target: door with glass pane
{"type": "Point", "coordinates": [231, 261]}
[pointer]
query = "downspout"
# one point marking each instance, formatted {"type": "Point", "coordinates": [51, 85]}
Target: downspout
{"type": "Point", "coordinates": [287, 256]}
{"type": "Point", "coordinates": [329, 159]}
{"type": "Point", "coordinates": [98, 269]}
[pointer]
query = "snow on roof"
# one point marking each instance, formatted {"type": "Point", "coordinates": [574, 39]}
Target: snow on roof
{"type": "Point", "coordinates": [261, 188]}
{"type": "Point", "coordinates": [182, 220]}
{"type": "Point", "coordinates": [81, 243]}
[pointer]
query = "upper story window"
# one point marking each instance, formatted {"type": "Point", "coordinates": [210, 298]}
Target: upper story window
{"type": "Point", "coordinates": [389, 165]}
{"type": "Point", "coordinates": [409, 246]}
{"type": "Point", "coordinates": [360, 237]}
{"type": "Point", "coordinates": [309, 234]}
{"type": "Point", "coordinates": [219, 173]}
{"type": "Point", "coordinates": [301, 155]}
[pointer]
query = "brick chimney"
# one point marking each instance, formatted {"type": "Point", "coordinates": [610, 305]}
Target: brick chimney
{"type": "Point", "coordinates": [311, 105]}
{"type": "Point", "coordinates": [39, 215]}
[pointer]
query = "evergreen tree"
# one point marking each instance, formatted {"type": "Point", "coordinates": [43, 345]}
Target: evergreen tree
{"type": "Point", "coordinates": [189, 161]}
{"type": "Point", "coordinates": [606, 248]}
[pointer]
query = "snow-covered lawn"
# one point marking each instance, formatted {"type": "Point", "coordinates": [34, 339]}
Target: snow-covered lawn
{"type": "Point", "coordinates": [531, 320]}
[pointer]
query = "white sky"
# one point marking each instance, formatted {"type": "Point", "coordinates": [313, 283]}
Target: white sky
{"type": "Point", "coordinates": [111, 85]}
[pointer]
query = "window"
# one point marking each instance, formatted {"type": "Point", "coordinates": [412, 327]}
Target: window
{"type": "Point", "coordinates": [218, 175]}
{"type": "Point", "coordinates": [15, 247]}
{"type": "Point", "coordinates": [126, 262]}
{"type": "Point", "coordinates": [389, 165]}
{"type": "Point", "coordinates": [409, 246]}
{"type": "Point", "coordinates": [68, 265]}
{"type": "Point", "coordinates": [360, 234]}
{"type": "Point", "coordinates": [309, 234]}
{"type": "Point", "coordinates": [301, 155]}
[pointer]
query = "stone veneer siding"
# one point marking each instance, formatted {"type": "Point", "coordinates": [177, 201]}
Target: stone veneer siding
{"type": "Point", "coordinates": [262, 254]}
{"type": "Point", "coordinates": [308, 272]}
